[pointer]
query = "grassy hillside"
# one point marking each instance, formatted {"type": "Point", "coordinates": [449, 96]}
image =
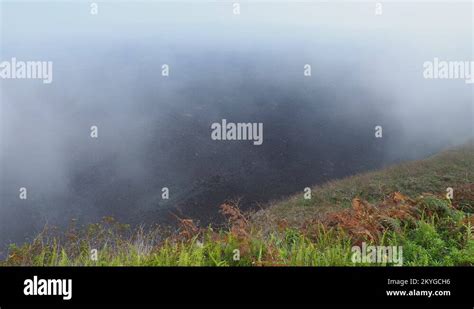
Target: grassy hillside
{"type": "Point", "coordinates": [404, 205]}
{"type": "Point", "coordinates": [452, 168]}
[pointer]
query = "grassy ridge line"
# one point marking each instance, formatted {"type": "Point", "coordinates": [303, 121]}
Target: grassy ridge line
{"type": "Point", "coordinates": [432, 229]}
{"type": "Point", "coordinates": [451, 168]}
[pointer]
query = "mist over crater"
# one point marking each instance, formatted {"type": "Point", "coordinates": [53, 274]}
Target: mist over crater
{"type": "Point", "coordinates": [154, 131]}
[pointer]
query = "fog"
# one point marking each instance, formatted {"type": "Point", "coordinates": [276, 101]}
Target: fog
{"type": "Point", "coordinates": [154, 131]}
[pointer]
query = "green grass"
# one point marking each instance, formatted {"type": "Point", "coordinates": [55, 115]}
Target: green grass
{"type": "Point", "coordinates": [291, 232]}
{"type": "Point", "coordinates": [451, 168]}
{"type": "Point", "coordinates": [442, 236]}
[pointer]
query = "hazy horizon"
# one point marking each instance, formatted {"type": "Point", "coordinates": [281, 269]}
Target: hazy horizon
{"type": "Point", "coordinates": [154, 131]}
